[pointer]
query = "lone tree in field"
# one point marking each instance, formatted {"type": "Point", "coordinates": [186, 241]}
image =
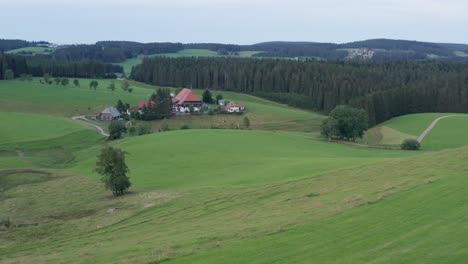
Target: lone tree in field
{"type": "Point", "coordinates": [410, 144]}
{"type": "Point", "coordinates": [111, 86]}
{"type": "Point", "coordinates": [116, 129]}
{"type": "Point", "coordinates": [93, 85]}
{"type": "Point", "coordinates": [64, 81]}
{"type": "Point", "coordinates": [346, 123]}
{"type": "Point", "coordinates": [207, 97]}
{"type": "Point", "coordinates": [111, 165]}
{"type": "Point", "coordinates": [76, 82]}
{"type": "Point", "coordinates": [125, 86]}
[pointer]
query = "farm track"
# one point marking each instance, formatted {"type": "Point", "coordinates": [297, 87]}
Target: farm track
{"type": "Point", "coordinates": [430, 127]}
{"type": "Point", "coordinates": [98, 128]}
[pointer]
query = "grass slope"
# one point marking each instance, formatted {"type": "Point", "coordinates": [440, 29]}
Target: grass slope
{"type": "Point", "coordinates": [203, 158]}
{"type": "Point", "coordinates": [57, 100]}
{"type": "Point", "coordinates": [19, 127]}
{"type": "Point", "coordinates": [129, 63]}
{"type": "Point", "coordinates": [395, 130]}
{"type": "Point", "coordinates": [32, 50]}
{"type": "Point", "coordinates": [366, 213]}
{"type": "Point", "coordinates": [450, 132]}
{"type": "Point", "coordinates": [34, 97]}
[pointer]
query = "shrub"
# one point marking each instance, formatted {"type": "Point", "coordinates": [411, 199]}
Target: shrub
{"type": "Point", "coordinates": [246, 122]}
{"type": "Point", "coordinates": [184, 127]}
{"type": "Point", "coordinates": [5, 222]}
{"type": "Point", "coordinates": [116, 128]}
{"type": "Point", "coordinates": [143, 129]}
{"type": "Point", "coordinates": [410, 144]}
{"type": "Point", "coordinates": [132, 130]}
{"type": "Point", "coordinates": [164, 125]}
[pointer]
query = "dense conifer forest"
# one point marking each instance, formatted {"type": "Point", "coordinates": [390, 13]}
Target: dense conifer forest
{"type": "Point", "coordinates": [383, 89]}
{"type": "Point", "coordinates": [39, 65]}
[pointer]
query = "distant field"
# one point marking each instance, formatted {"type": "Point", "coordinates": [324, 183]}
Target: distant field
{"type": "Point", "coordinates": [34, 97]}
{"type": "Point", "coordinates": [32, 50]}
{"type": "Point", "coordinates": [461, 54]}
{"type": "Point", "coordinates": [128, 64]}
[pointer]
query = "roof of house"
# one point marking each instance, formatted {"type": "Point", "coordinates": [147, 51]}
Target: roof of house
{"type": "Point", "coordinates": [112, 111]}
{"type": "Point", "coordinates": [143, 104]}
{"type": "Point", "coordinates": [186, 95]}
{"type": "Point", "coordinates": [232, 104]}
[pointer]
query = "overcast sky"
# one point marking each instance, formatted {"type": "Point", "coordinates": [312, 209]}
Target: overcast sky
{"type": "Point", "coordinates": [233, 21]}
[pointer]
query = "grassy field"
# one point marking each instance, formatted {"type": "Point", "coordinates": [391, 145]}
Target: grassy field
{"type": "Point", "coordinates": [275, 157]}
{"type": "Point", "coordinates": [225, 195]}
{"type": "Point", "coordinates": [274, 197]}
{"type": "Point", "coordinates": [448, 133]}
{"type": "Point", "coordinates": [461, 54]}
{"type": "Point", "coordinates": [34, 97]}
{"type": "Point", "coordinates": [17, 127]}
{"type": "Point", "coordinates": [57, 100]}
{"type": "Point", "coordinates": [128, 64]}
{"type": "Point", "coordinates": [394, 131]}
{"type": "Point", "coordinates": [32, 50]}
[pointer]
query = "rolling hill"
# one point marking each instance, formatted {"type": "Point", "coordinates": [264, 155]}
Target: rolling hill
{"type": "Point", "coordinates": [224, 195]}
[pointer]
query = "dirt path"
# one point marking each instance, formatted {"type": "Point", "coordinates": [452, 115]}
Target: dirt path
{"type": "Point", "coordinates": [98, 128]}
{"type": "Point", "coordinates": [431, 126]}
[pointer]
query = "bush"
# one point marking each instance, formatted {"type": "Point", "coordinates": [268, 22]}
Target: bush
{"type": "Point", "coordinates": [143, 129]}
{"type": "Point", "coordinates": [5, 222]}
{"type": "Point", "coordinates": [410, 144]}
{"type": "Point", "coordinates": [116, 128]}
{"type": "Point", "coordinates": [131, 130]}
{"type": "Point", "coordinates": [164, 125]}
{"type": "Point", "coordinates": [246, 122]}
{"type": "Point", "coordinates": [184, 127]}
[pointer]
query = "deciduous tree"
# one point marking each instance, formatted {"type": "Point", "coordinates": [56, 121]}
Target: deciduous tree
{"type": "Point", "coordinates": [111, 165]}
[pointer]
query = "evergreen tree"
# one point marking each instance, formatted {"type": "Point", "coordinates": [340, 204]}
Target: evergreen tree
{"type": "Point", "coordinates": [207, 97]}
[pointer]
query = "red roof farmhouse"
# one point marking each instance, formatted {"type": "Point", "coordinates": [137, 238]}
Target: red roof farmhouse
{"type": "Point", "coordinates": [187, 98]}
{"type": "Point", "coordinates": [143, 104]}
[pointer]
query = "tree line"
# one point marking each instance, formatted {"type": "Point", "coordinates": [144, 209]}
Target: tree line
{"type": "Point", "coordinates": [15, 66]}
{"type": "Point", "coordinates": [113, 51]}
{"type": "Point", "coordinates": [383, 89]}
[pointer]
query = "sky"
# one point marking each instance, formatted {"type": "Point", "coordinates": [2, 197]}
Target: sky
{"type": "Point", "coordinates": [233, 21]}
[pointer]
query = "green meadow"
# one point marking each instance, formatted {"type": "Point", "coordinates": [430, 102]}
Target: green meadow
{"type": "Point", "coordinates": [68, 101]}
{"type": "Point", "coordinates": [129, 63]}
{"type": "Point", "coordinates": [32, 50]}
{"type": "Point", "coordinates": [448, 133]}
{"type": "Point", "coordinates": [275, 193]}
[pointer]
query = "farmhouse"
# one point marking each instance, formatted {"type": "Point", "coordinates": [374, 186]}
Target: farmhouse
{"type": "Point", "coordinates": [232, 107]}
{"type": "Point", "coordinates": [143, 104]}
{"type": "Point", "coordinates": [110, 113]}
{"type": "Point", "coordinates": [184, 100]}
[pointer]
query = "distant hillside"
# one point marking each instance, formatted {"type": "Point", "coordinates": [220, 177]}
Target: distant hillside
{"type": "Point", "coordinates": [11, 44]}
{"type": "Point", "coordinates": [373, 49]}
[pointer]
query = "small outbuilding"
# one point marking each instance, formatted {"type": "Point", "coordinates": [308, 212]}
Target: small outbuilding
{"type": "Point", "coordinates": [232, 107]}
{"type": "Point", "coordinates": [109, 114]}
